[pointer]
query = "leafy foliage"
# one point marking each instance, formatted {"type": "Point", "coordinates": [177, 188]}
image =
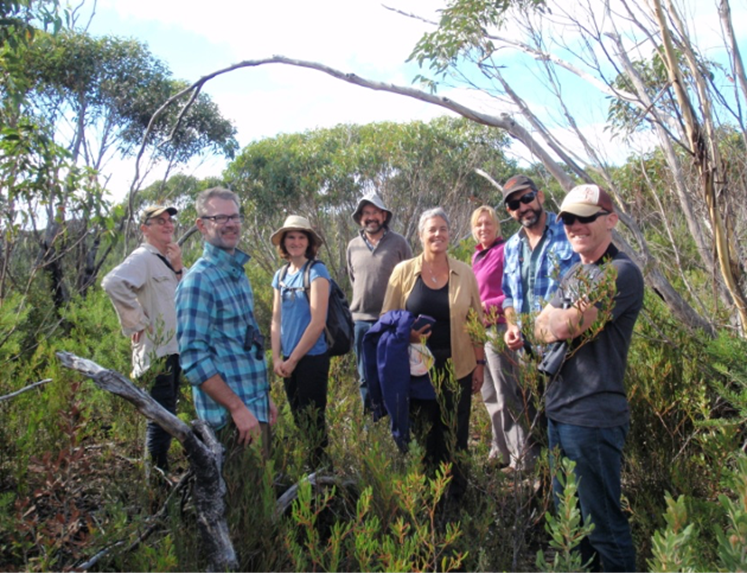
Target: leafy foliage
{"type": "Point", "coordinates": [322, 174]}
{"type": "Point", "coordinates": [463, 28]}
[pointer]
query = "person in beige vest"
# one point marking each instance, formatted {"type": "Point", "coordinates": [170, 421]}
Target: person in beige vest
{"type": "Point", "coordinates": [142, 289]}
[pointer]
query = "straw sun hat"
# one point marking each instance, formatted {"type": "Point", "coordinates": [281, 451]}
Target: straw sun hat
{"type": "Point", "coordinates": [295, 223]}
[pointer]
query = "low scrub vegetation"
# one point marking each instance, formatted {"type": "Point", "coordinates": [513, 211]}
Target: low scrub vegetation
{"type": "Point", "coordinates": [76, 494]}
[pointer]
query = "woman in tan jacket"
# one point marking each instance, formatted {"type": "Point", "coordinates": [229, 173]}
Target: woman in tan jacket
{"type": "Point", "coordinates": [444, 288]}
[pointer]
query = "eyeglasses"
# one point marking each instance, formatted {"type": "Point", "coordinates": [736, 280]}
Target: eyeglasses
{"type": "Point", "coordinates": [514, 204]}
{"type": "Point", "coordinates": [223, 219]}
{"type": "Point", "coordinates": [570, 218]}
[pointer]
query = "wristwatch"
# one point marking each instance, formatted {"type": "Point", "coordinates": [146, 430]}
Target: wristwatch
{"type": "Point", "coordinates": [482, 362]}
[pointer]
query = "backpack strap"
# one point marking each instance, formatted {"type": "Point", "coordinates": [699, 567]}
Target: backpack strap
{"type": "Point", "coordinates": [283, 273]}
{"type": "Point", "coordinates": [307, 275]}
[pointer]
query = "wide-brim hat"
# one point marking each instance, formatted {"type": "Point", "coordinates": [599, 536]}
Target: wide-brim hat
{"type": "Point", "coordinates": [155, 210]}
{"type": "Point", "coordinates": [374, 199]}
{"type": "Point", "coordinates": [585, 200]}
{"type": "Point", "coordinates": [295, 223]}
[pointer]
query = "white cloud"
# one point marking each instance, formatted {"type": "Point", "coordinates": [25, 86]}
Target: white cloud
{"type": "Point", "coordinates": [358, 36]}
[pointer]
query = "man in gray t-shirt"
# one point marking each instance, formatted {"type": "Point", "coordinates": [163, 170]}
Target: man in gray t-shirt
{"type": "Point", "coordinates": [371, 255]}
{"type": "Point", "coordinates": [586, 406]}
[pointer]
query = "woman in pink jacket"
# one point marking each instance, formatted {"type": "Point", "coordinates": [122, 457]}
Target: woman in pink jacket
{"type": "Point", "coordinates": [501, 393]}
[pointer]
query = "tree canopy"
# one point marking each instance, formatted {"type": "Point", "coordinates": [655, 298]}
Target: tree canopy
{"type": "Point", "coordinates": [322, 174]}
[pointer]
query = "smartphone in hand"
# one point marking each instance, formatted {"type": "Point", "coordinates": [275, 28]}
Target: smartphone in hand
{"type": "Point", "coordinates": [421, 321]}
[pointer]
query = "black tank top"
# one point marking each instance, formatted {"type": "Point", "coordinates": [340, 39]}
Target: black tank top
{"type": "Point", "coordinates": [434, 302]}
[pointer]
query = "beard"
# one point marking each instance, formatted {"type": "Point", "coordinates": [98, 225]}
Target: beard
{"type": "Point", "coordinates": [372, 227]}
{"type": "Point", "coordinates": [530, 218]}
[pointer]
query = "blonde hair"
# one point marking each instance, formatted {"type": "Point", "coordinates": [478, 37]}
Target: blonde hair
{"type": "Point", "coordinates": [491, 213]}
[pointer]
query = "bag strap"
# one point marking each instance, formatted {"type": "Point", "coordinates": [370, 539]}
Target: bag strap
{"type": "Point", "coordinates": [167, 262]}
{"type": "Point", "coordinates": [307, 275]}
{"type": "Point", "coordinates": [283, 273]}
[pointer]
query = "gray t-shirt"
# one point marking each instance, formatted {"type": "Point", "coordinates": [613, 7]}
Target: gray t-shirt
{"type": "Point", "coordinates": [589, 390]}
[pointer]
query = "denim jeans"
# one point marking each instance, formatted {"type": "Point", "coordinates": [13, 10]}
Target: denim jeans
{"type": "Point", "coordinates": [165, 391]}
{"type": "Point", "coordinates": [597, 453]}
{"type": "Point", "coordinates": [361, 328]}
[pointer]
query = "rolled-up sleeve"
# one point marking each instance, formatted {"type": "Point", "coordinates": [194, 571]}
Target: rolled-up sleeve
{"type": "Point", "coordinates": [195, 305]}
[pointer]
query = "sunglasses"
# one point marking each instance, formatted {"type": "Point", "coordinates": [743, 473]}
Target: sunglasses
{"type": "Point", "coordinates": [570, 218]}
{"type": "Point", "coordinates": [514, 204]}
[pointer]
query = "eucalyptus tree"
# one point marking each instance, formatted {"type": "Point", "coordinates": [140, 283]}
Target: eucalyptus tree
{"type": "Point", "coordinates": [92, 99]}
{"type": "Point", "coordinates": [322, 173]}
{"type": "Point", "coordinates": [478, 44]}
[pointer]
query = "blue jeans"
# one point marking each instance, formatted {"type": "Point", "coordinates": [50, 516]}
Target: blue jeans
{"type": "Point", "coordinates": [597, 453]}
{"type": "Point", "coordinates": [361, 328]}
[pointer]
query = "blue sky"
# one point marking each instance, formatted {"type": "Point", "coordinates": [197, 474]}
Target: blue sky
{"type": "Point", "coordinates": [360, 36]}
{"type": "Point", "coordinates": [195, 38]}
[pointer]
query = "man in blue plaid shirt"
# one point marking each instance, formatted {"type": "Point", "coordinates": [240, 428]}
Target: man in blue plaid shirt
{"type": "Point", "coordinates": [536, 256]}
{"type": "Point", "coordinates": [220, 345]}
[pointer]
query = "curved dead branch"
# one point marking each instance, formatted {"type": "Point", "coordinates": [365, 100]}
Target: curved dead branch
{"type": "Point", "coordinates": [204, 452]}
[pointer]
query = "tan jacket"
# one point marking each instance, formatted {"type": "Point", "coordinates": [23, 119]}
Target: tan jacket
{"type": "Point", "coordinates": [463, 296]}
{"type": "Point", "coordinates": [142, 291]}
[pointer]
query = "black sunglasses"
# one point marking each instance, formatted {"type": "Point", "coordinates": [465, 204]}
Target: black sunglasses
{"type": "Point", "coordinates": [570, 218]}
{"type": "Point", "coordinates": [514, 204]}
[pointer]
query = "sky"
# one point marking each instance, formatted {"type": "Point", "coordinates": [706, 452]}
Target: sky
{"type": "Point", "coordinates": [360, 36]}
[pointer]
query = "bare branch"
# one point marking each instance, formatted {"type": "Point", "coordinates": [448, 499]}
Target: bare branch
{"type": "Point", "coordinates": [203, 450]}
{"type": "Point", "coordinates": [487, 176]}
{"type": "Point", "coordinates": [23, 390]}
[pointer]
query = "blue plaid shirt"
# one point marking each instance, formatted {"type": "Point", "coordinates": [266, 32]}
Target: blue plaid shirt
{"type": "Point", "coordinates": [555, 258]}
{"type": "Point", "coordinates": [214, 308]}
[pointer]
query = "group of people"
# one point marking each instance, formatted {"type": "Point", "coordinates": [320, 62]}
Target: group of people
{"type": "Point", "coordinates": [209, 333]}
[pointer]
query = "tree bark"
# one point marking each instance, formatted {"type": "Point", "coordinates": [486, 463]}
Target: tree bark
{"type": "Point", "coordinates": [203, 450]}
{"type": "Point", "coordinates": [704, 151]}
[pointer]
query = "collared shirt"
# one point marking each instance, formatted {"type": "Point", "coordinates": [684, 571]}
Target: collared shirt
{"type": "Point", "coordinates": [141, 289]}
{"type": "Point", "coordinates": [531, 259]}
{"type": "Point", "coordinates": [214, 309]}
{"type": "Point", "coordinates": [370, 245]}
{"type": "Point", "coordinates": [554, 258]}
{"type": "Point", "coordinates": [463, 296]}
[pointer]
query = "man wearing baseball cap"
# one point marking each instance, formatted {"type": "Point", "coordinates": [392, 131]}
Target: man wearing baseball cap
{"type": "Point", "coordinates": [142, 291]}
{"type": "Point", "coordinates": [530, 276]}
{"type": "Point", "coordinates": [535, 258]}
{"type": "Point", "coordinates": [586, 405]}
{"type": "Point", "coordinates": [371, 256]}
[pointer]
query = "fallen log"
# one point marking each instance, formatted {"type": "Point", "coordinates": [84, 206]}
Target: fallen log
{"type": "Point", "coordinates": [203, 450]}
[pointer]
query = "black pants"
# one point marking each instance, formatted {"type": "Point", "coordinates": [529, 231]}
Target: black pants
{"type": "Point", "coordinates": [306, 390]}
{"type": "Point", "coordinates": [165, 390]}
{"type": "Point", "coordinates": [443, 426]}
